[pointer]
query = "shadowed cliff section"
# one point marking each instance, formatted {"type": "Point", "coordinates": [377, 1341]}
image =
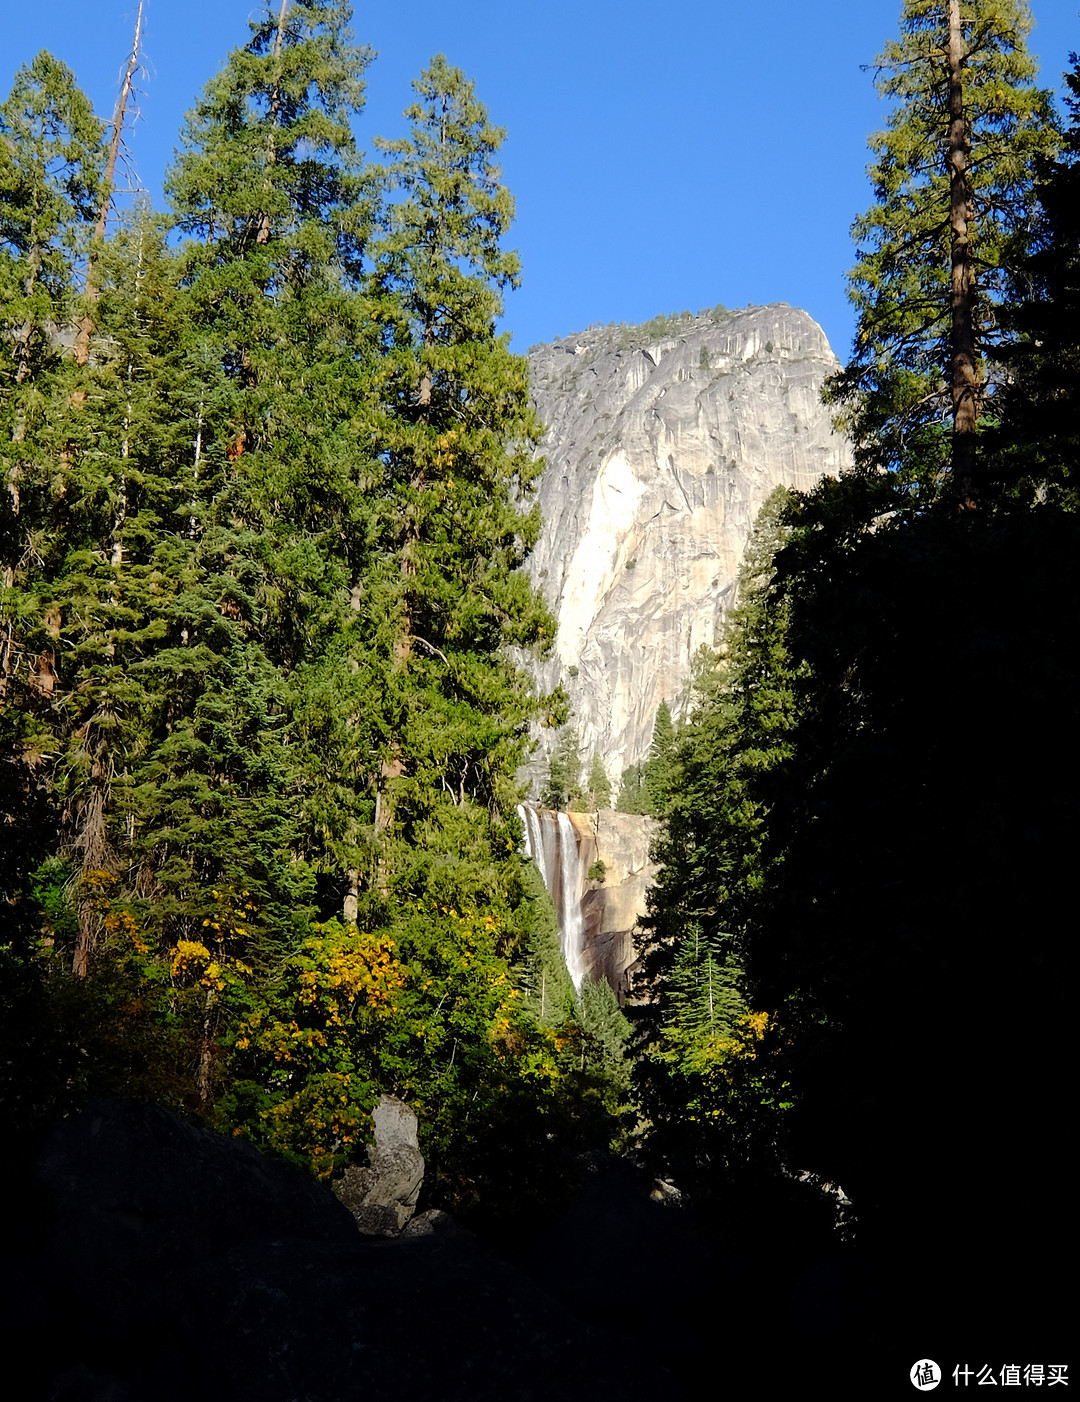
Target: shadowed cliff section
{"type": "Point", "coordinates": [662, 443]}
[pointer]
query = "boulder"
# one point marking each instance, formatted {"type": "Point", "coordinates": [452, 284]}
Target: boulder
{"type": "Point", "coordinates": [382, 1196]}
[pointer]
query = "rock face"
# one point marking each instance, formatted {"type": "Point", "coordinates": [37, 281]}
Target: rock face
{"type": "Point", "coordinates": [610, 908]}
{"type": "Point", "coordinates": [383, 1196]}
{"type": "Point", "coordinates": [662, 443]}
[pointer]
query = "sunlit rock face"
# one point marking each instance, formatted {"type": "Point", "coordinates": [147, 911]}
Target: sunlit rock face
{"type": "Point", "coordinates": [662, 443]}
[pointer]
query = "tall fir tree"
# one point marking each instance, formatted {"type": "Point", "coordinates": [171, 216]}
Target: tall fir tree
{"type": "Point", "coordinates": [599, 784]}
{"type": "Point", "coordinates": [456, 440]}
{"type": "Point", "coordinates": [953, 176]}
{"type": "Point", "coordinates": [268, 184]}
{"type": "Point", "coordinates": [660, 768]}
{"type": "Point", "coordinates": [1037, 447]}
{"type": "Point", "coordinates": [562, 788]}
{"type": "Point", "coordinates": [51, 163]}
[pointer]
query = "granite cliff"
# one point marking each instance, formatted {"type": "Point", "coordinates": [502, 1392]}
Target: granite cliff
{"type": "Point", "coordinates": [662, 442]}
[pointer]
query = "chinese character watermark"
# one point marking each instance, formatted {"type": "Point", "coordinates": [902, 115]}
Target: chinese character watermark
{"type": "Point", "coordinates": [925, 1375]}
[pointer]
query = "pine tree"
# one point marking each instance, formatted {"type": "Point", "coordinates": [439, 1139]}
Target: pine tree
{"type": "Point", "coordinates": [661, 777]}
{"type": "Point", "coordinates": [543, 975]}
{"type": "Point", "coordinates": [633, 794]}
{"type": "Point", "coordinates": [51, 166]}
{"type": "Point", "coordinates": [705, 1001]}
{"type": "Point", "coordinates": [51, 159]}
{"type": "Point", "coordinates": [268, 185]}
{"type": "Point", "coordinates": [693, 1002]}
{"type": "Point", "coordinates": [738, 735]}
{"type": "Point", "coordinates": [599, 784]}
{"type": "Point", "coordinates": [563, 785]}
{"type": "Point", "coordinates": [604, 1037]}
{"type": "Point", "coordinates": [1037, 448]}
{"type": "Point", "coordinates": [456, 435]}
{"type": "Point", "coordinates": [953, 177]}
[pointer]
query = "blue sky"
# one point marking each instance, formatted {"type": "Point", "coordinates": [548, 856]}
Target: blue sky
{"type": "Point", "coordinates": [663, 157]}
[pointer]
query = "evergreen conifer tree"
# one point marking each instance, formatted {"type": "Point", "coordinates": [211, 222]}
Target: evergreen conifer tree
{"type": "Point", "coordinates": [544, 976]}
{"type": "Point", "coordinates": [563, 786]}
{"type": "Point", "coordinates": [456, 435]}
{"type": "Point", "coordinates": [633, 794]}
{"type": "Point", "coordinates": [661, 767]}
{"type": "Point", "coordinates": [953, 176]}
{"type": "Point", "coordinates": [51, 160]}
{"type": "Point", "coordinates": [599, 784]}
{"type": "Point", "coordinates": [280, 384]}
{"type": "Point", "coordinates": [692, 1011]}
{"type": "Point", "coordinates": [1037, 449]}
{"type": "Point", "coordinates": [51, 165]}
{"type": "Point", "coordinates": [605, 1034]}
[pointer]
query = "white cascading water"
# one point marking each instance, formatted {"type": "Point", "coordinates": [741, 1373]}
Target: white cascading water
{"type": "Point", "coordinates": [552, 844]}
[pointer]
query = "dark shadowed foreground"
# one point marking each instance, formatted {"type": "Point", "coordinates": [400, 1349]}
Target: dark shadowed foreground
{"type": "Point", "coordinates": [152, 1260]}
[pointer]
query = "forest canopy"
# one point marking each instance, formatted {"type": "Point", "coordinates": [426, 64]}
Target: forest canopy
{"type": "Point", "coordinates": [268, 491]}
{"type": "Point", "coordinates": [865, 865]}
{"type": "Point", "coordinates": [267, 470]}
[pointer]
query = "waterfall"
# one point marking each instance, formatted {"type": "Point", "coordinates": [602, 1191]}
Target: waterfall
{"type": "Point", "coordinates": [551, 842]}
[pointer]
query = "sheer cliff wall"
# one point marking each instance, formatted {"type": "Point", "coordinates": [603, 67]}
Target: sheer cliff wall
{"type": "Point", "coordinates": [662, 443]}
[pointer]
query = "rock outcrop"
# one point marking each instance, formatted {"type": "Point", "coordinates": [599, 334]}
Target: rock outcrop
{"type": "Point", "coordinates": [612, 904]}
{"type": "Point", "coordinates": [662, 443]}
{"type": "Point", "coordinates": [382, 1196]}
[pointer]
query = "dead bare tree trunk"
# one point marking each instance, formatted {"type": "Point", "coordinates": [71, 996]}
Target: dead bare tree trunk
{"type": "Point", "coordinates": [92, 287]}
{"type": "Point", "coordinates": [93, 846]}
{"type": "Point", "coordinates": [206, 1049]}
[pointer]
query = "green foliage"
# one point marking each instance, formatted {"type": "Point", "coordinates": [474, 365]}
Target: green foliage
{"type": "Point", "coordinates": [705, 1001]}
{"type": "Point", "coordinates": [1036, 449]}
{"type": "Point", "coordinates": [661, 771]}
{"type": "Point", "coordinates": [701, 1079]}
{"type": "Point", "coordinates": [599, 784]}
{"type": "Point", "coordinates": [52, 159]}
{"type": "Point", "coordinates": [562, 788]}
{"type": "Point", "coordinates": [542, 975]}
{"type": "Point", "coordinates": [633, 795]}
{"type": "Point", "coordinates": [455, 432]}
{"type": "Point", "coordinates": [894, 391]}
{"type": "Point", "coordinates": [604, 1041]}
{"type": "Point", "coordinates": [260, 562]}
{"type": "Point", "coordinates": [649, 788]}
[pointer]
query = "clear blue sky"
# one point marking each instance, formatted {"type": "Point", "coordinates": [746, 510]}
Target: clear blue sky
{"type": "Point", "coordinates": [663, 157]}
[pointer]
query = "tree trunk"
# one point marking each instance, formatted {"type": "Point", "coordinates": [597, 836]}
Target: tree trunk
{"type": "Point", "coordinates": [964, 377]}
{"type": "Point", "coordinates": [393, 766]}
{"type": "Point", "coordinates": [206, 1049]}
{"type": "Point", "coordinates": [262, 232]}
{"type": "Point", "coordinates": [92, 288]}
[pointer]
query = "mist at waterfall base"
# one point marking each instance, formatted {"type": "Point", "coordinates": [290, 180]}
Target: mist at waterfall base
{"type": "Point", "coordinates": [552, 844]}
